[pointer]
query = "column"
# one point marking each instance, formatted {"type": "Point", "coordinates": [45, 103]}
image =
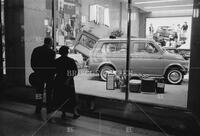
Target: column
{"type": "Point", "coordinates": [194, 86]}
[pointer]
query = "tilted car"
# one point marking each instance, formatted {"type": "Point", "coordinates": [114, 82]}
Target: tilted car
{"type": "Point", "coordinates": [146, 57]}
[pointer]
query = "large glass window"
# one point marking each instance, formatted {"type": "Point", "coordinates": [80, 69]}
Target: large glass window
{"type": "Point", "coordinates": [159, 56]}
{"type": "Point", "coordinates": [163, 56]}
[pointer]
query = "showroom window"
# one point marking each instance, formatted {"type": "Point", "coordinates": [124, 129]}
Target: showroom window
{"type": "Point", "coordinates": [158, 60]}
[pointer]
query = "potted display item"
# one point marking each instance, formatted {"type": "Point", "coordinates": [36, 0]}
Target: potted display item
{"type": "Point", "coordinates": [121, 82]}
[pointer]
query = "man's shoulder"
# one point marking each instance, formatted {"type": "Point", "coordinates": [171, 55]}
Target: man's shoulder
{"type": "Point", "coordinates": [52, 52]}
{"type": "Point", "coordinates": [45, 49]}
{"type": "Point", "coordinates": [70, 59]}
{"type": "Point", "coordinates": [42, 49]}
{"type": "Point", "coordinates": [37, 48]}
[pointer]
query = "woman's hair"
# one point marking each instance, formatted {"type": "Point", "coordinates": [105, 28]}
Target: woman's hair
{"type": "Point", "coordinates": [64, 50]}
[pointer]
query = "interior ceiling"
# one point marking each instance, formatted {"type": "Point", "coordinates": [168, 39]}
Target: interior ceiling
{"type": "Point", "coordinates": [160, 5]}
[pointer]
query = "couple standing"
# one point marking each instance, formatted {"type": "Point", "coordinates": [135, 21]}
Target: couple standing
{"type": "Point", "coordinates": [56, 75]}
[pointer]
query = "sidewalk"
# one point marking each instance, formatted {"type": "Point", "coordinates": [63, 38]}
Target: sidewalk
{"type": "Point", "coordinates": [146, 116]}
{"type": "Point", "coordinates": [17, 119]}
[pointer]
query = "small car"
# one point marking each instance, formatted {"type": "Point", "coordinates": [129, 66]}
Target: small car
{"type": "Point", "coordinates": [146, 57]}
{"type": "Point", "coordinates": [166, 32]}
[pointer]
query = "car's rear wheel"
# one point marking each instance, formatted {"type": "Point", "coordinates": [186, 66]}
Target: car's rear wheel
{"type": "Point", "coordinates": [104, 71]}
{"type": "Point", "coordinates": [174, 76]}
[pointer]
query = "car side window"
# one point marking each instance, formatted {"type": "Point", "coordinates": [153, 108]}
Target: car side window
{"type": "Point", "coordinates": [150, 48]}
{"type": "Point", "coordinates": [144, 47]}
{"type": "Point", "coordinates": [139, 46]}
{"type": "Point", "coordinates": [114, 47]}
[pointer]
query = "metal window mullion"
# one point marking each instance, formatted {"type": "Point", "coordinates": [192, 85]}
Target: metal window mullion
{"type": "Point", "coordinates": [128, 49]}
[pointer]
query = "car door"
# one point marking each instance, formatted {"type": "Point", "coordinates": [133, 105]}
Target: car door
{"type": "Point", "coordinates": [113, 52]}
{"type": "Point", "coordinates": [146, 58]}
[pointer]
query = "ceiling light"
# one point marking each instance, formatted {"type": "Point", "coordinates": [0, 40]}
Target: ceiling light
{"type": "Point", "coordinates": [156, 1]}
{"type": "Point", "coordinates": [170, 6]}
{"type": "Point", "coordinates": [196, 13]}
{"type": "Point", "coordinates": [189, 11]}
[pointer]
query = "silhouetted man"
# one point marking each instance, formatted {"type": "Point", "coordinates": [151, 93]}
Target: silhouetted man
{"type": "Point", "coordinates": [42, 63]}
{"type": "Point", "coordinates": [64, 91]}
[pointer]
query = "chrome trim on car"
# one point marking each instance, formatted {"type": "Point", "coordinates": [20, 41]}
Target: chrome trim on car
{"type": "Point", "coordinates": [184, 70]}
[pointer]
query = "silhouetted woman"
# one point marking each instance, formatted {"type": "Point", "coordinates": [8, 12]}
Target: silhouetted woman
{"type": "Point", "coordinates": [64, 90]}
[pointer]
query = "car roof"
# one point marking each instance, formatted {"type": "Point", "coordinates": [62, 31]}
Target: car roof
{"type": "Point", "coordinates": [124, 39]}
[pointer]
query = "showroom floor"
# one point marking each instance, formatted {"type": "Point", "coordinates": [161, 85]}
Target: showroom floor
{"type": "Point", "coordinates": [175, 95]}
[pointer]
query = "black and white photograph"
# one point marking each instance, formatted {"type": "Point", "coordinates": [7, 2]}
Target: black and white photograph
{"type": "Point", "coordinates": [100, 68]}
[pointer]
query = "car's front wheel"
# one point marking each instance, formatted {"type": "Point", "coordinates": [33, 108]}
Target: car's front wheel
{"type": "Point", "coordinates": [174, 76]}
{"type": "Point", "coordinates": [104, 71]}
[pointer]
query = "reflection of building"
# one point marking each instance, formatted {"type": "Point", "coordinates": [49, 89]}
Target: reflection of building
{"type": "Point", "coordinates": [30, 20]}
{"type": "Point", "coordinates": [68, 21]}
{"type": "Point", "coordinates": [25, 30]}
{"type": "Point", "coordinates": [26, 25]}
{"type": "Point", "coordinates": [27, 22]}
{"type": "Point", "coordinates": [99, 14]}
{"type": "Point", "coordinates": [2, 52]}
{"type": "Point", "coordinates": [102, 17]}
